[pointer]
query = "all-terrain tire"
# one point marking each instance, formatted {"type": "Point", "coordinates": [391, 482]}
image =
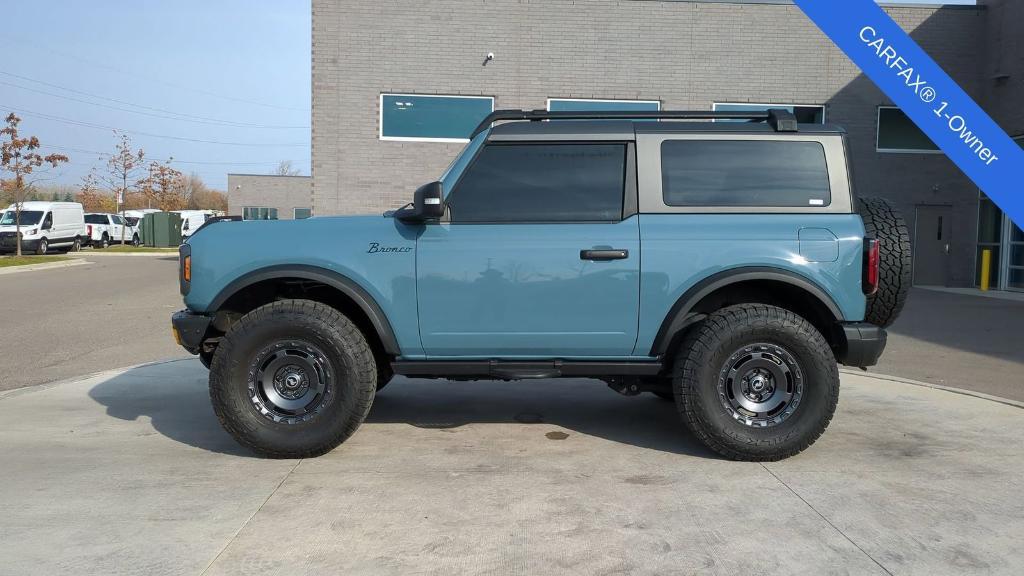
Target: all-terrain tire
{"type": "Point", "coordinates": [883, 222]}
{"type": "Point", "coordinates": [702, 381]}
{"type": "Point", "coordinates": [336, 352]}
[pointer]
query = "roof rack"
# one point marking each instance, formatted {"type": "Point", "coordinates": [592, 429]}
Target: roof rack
{"type": "Point", "coordinates": [780, 119]}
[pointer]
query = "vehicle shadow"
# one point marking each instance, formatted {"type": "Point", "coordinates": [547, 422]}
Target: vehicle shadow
{"type": "Point", "coordinates": [580, 405]}
{"type": "Point", "coordinates": [174, 396]}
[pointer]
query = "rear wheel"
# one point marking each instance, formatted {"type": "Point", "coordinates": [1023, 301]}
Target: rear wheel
{"type": "Point", "coordinates": [76, 246]}
{"type": "Point", "coordinates": [756, 382]}
{"type": "Point", "coordinates": [292, 379]}
{"type": "Point", "coordinates": [883, 222]}
{"type": "Point", "coordinates": [104, 241]}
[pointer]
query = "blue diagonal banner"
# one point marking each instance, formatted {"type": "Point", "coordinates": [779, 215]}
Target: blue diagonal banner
{"type": "Point", "coordinates": [907, 75]}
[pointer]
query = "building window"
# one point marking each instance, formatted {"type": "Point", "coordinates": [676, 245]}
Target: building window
{"type": "Point", "coordinates": [542, 183]}
{"type": "Point", "coordinates": [590, 105]}
{"type": "Point", "coordinates": [302, 213]}
{"type": "Point", "coordinates": [744, 173]}
{"type": "Point", "coordinates": [996, 232]}
{"type": "Point", "coordinates": [897, 133]}
{"type": "Point", "coordinates": [805, 113]}
{"type": "Point", "coordinates": [259, 213]}
{"type": "Point", "coordinates": [431, 118]}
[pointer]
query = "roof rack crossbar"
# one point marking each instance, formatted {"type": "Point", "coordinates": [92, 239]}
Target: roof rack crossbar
{"type": "Point", "coordinates": [780, 119]}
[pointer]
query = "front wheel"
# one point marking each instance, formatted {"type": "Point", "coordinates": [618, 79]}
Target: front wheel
{"type": "Point", "coordinates": [135, 240]}
{"type": "Point", "coordinates": [43, 246]}
{"type": "Point", "coordinates": [292, 379]}
{"type": "Point", "coordinates": [756, 382]}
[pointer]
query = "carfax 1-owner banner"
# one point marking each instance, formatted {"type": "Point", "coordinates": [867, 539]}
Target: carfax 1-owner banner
{"type": "Point", "coordinates": [957, 125]}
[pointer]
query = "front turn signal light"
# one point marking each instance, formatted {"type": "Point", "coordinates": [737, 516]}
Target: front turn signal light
{"type": "Point", "coordinates": [186, 271]}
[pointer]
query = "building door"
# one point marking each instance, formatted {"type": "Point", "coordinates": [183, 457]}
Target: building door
{"type": "Point", "coordinates": [932, 245]}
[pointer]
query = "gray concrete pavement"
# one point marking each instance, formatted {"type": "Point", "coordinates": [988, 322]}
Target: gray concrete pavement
{"type": "Point", "coordinates": [72, 321]}
{"type": "Point", "coordinates": [129, 473]}
{"type": "Point", "coordinates": [959, 340]}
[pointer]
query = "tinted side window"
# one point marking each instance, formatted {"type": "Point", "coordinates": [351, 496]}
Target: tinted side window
{"type": "Point", "coordinates": [95, 219]}
{"type": "Point", "coordinates": [542, 183]}
{"type": "Point", "coordinates": [744, 173]}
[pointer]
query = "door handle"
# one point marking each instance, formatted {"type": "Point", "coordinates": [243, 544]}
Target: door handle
{"type": "Point", "coordinates": [604, 255]}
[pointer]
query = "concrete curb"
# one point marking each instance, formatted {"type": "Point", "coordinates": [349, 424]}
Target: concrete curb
{"type": "Point", "coordinates": [5, 394]}
{"type": "Point", "coordinates": [886, 377]}
{"type": "Point", "coordinates": [119, 254]}
{"type": "Point", "coordinates": [46, 386]}
{"type": "Point", "coordinates": [46, 266]}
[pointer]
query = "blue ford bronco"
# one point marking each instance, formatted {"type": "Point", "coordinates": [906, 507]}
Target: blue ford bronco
{"type": "Point", "coordinates": [726, 266]}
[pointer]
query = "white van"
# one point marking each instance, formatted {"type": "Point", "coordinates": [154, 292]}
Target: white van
{"type": "Point", "coordinates": [44, 225]}
{"type": "Point", "coordinates": [133, 217]}
{"type": "Point", "coordinates": [191, 220]}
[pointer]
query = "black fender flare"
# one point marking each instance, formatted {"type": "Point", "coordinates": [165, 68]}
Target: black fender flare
{"type": "Point", "coordinates": [679, 316]}
{"type": "Point", "coordinates": [342, 283]}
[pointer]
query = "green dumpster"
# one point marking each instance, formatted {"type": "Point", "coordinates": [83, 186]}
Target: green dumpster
{"type": "Point", "coordinates": [161, 229]}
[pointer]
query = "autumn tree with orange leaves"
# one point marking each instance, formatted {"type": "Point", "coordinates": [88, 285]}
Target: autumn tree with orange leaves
{"type": "Point", "coordinates": [92, 197]}
{"type": "Point", "coordinates": [164, 187]}
{"type": "Point", "coordinates": [20, 157]}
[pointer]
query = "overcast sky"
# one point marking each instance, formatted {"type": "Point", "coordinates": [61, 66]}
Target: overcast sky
{"type": "Point", "coordinates": [219, 85]}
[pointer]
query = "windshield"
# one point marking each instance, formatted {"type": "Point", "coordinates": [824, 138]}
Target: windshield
{"type": "Point", "coordinates": [28, 218]}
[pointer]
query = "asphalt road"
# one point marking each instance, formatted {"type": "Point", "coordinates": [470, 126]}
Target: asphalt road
{"type": "Point", "coordinates": [66, 322]}
{"type": "Point", "coordinates": [115, 312]}
{"type": "Point", "coordinates": [956, 340]}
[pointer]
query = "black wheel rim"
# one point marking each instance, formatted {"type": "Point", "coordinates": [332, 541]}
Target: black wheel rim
{"type": "Point", "coordinates": [761, 385]}
{"type": "Point", "coordinates": [290, 382]}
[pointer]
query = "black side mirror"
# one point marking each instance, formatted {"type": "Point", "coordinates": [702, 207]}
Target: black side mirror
{"type": "Point", "coordinates": [427, 204]}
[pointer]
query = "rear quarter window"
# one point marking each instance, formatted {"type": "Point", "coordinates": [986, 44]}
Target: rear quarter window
{"type": "Point", "coordinates": [755, 173]}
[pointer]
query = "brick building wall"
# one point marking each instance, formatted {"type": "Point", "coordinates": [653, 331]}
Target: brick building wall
{"type": "Point", "coordinates": [685, 54]}
{"type": "Point", "coordinates": [261, 190]}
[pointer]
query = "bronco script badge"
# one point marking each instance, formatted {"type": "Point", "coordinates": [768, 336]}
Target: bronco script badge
{"type": "Point", "coordinates": [376, 248]}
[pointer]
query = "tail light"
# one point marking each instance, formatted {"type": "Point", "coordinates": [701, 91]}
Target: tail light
{"type": "Point", "coordinates": [88, 229]}
{"type": "Point", "coordinates": [871, 263]}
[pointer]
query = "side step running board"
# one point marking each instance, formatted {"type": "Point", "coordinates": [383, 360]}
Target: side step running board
{"type": "Point", "coordinates": [522, 370]}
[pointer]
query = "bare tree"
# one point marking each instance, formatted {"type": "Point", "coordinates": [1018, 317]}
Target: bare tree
{"type": "Point", "coordinates": [285, 168]}
{"type": "Point", "coordinates": [20, 157]}
{"type": "Point", "coordinates": [123, 170]}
